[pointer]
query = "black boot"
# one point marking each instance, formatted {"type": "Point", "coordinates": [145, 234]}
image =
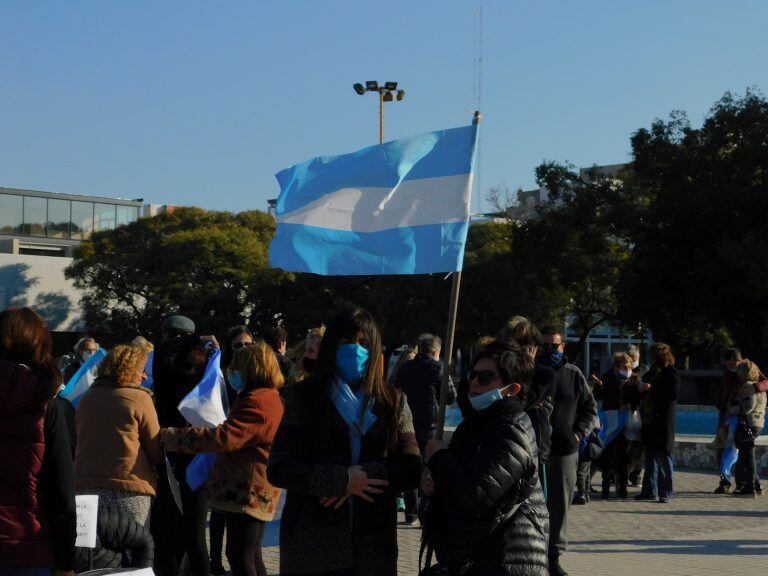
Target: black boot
{"type": "Point", "coordinates": [554, 567]}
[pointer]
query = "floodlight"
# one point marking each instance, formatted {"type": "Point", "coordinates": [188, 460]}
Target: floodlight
{"type": "Point", "coordinates": [388, 97]}
{"type": "Point", "coordinates": [391, 86]}
{"type": "Point", "coordinates": [359, 88]}
{"type": "Point", "coordinates": [400, 94]}
{"type": "Point", "coordinates": [372, 85]}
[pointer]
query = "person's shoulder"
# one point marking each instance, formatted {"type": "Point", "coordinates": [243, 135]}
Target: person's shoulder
{"type": "Point", "coordinates": [573, 370]}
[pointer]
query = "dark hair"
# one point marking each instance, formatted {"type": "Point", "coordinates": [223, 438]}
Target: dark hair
{"type": "Point", "coordinates": [732, 354]}
{"type": "Point", "coordinates": [513, 363]}
{"type": "Point", "coordinates": [521, 330]}
{"type": "Point", "coordinates": [346, 324]}
{"type": "Point", "coordinates": [274, 335]}
{"type": "Point", "coordinates": [552, 329]}
{"type": "Point", "coordinates": [25, 339]}
{"type": "Point", "coordinates": [227, 353]}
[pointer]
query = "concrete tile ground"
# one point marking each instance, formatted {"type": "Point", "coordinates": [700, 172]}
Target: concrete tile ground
{"type": "Point", "coordinates": [696, 534]}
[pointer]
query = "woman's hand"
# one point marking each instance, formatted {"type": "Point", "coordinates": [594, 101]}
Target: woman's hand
{"type": "Point", "coordinates": [432, 446]}
{"type": "Point", "coordinates": [359, 485]}
{"type": "Point", "coordinates": [427, 483]}
{"type": "Point", "coordinates": [643, 387]}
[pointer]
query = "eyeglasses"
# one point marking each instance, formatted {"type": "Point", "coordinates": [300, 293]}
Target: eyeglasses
{"type": "Point", "coordinates": [238, 345]}
{"type": "Point", "coordinates": [485, 377]}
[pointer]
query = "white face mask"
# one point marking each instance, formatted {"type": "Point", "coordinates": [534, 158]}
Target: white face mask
{"type": "Point", "coordinates": [625, 373]}
{"type": "Point", "coordinates": [86, 354]}
{"type": "Point", "coordinates": [486, 399]}
{"type": "Point", "coordinates": [635, 364]}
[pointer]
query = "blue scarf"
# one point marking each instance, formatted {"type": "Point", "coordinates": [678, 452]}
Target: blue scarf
{"type": "Point", "coordinates": [350, 407]}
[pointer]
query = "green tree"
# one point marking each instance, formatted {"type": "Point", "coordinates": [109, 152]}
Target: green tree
{"type": "Point", "coordinates": [569, 261]}
{"type": "Point", "coordinates": [700, 263]}
{"type": "Point", "coordinates": [211, 266]}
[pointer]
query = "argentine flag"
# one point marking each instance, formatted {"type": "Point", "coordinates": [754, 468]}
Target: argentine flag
{"type": "Point", "coordinates": [81, 381]}
{"type": "Point", "coordinates": [612, 422]}
{"type": "Point", "coordinates": [397, 208]}
{"type": "Point", "coordinates": [204, 406]}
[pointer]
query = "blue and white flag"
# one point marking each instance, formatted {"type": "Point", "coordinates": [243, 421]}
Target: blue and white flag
{"type": "Point", "coordinates": [81, 381]}
{"type": "Point", "coordinates": [396, 208]}
{"type": "Point", "coordinates": [149, 382]}
{"type": "Point", "coordinates": [203, 406]}
{"type": "Point", "coordinates": [612, 422]}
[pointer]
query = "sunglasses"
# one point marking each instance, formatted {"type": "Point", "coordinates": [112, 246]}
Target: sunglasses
{"type": "Point", "coordinates": [238, 345]}
{"type": "Point", "coordinates": [485, 377]}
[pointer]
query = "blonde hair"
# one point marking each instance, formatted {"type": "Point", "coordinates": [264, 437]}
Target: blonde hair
{"type": "Point", "coordinates": [122, 363]}
{"type": "Point", "coordinates": [258, 366]}
{"type": "Point", "coordinates": [142, 342]}
{"type": "Point", "coordinates": [621, 359]}
{"type": "Point", "coordinates": [296, 354]}
{"type": "Point", "coordinates": [748, 371]}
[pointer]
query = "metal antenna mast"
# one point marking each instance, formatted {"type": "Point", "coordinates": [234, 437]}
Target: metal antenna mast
{"type": "Point", "coordinates": [478, 97]}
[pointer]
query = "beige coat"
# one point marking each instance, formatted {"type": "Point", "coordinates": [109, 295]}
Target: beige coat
{"type": "Point", "coordinates": [118, 439]}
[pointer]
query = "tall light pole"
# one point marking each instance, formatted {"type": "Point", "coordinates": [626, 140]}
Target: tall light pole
{"type": "Point", "coordinates": [387, 93]}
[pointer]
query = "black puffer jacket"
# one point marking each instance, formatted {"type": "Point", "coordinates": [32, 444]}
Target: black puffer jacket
{"type": "Point", "coordinates": [488, 505]}
{"type": "Point", "coordinates": [117, 533]}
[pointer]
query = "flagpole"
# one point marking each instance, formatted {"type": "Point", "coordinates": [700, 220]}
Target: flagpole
{"type": "Point", "coordinates": [453, 308]}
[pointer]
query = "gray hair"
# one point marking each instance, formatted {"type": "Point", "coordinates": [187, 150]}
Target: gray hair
{"type": "Point", "coordinates": [633, 350]}
{"type": "Point", "coordinates": [429, 344]}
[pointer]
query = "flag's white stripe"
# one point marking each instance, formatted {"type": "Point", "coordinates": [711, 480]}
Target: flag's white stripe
{"type": "Point", "coordinates": [413, 203]}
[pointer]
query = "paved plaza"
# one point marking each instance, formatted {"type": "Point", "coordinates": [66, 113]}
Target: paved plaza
{"type": "Point", "coordinates": [696, 534]}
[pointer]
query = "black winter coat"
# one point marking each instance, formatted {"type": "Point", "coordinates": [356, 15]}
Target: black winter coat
{"type": "Point", "coordinates": [309, 459]}
{"type": "Point", "coordinates": [490, 466]}
{"type": "Point", "coordinates": [421, 380]}
{"type": "Point", "coordinates": [117, 533]}
{"type": "Point", "coordinates": [658, 409]}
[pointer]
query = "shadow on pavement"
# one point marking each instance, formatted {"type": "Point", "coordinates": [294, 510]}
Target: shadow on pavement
{"type": "Point", "coordinates": [688, 547]}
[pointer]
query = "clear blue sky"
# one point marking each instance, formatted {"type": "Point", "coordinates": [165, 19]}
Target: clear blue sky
{"type": "Point", "coordinates": [201, 102]}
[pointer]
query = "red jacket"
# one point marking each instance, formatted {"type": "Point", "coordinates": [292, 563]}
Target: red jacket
{"type": "Point", "coordinates": [238, 481]}
{"type": "Point", "coordinates": [25, 534]}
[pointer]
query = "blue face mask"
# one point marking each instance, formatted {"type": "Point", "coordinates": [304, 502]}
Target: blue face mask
{"type": "Point", "coordinates": [352, 362]}
{"type": "Point", "coordinates": [236, 381]}
{"type": "Point", "coordinates": [486, 399]}
{"type": "Point", "coordinates": [551, 357]}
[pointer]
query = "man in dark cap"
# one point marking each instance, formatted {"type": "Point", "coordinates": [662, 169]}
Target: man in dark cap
{"type": "Point", "coordinates": [178, 365]}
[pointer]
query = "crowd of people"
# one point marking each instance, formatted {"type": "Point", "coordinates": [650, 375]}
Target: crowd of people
{"type": "Point", "coordinates": [341, 435]}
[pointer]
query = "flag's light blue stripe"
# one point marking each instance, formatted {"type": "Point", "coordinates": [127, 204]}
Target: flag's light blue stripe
{"type": "Point", "coordinates": [408, 250]}
{"type": "Point", "coordinates": [443, 153]}
{"type": "Point", "coordinates": [71, 386]}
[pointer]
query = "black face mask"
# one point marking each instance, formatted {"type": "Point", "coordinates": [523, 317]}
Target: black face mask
{"type": "Point", "coordinates": [308, 364]}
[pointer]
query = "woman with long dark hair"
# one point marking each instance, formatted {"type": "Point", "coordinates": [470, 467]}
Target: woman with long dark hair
{"type": "Point", "coordinates": [344, 449]}
{"type": "Point", "coordinates": [37, 497]}
{"type": "Point", "coordinates": [658, 391]}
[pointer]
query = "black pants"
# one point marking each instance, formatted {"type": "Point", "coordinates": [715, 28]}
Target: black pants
{"type": "Point", "coordinates": [415, 502]}
{"type": "Point", "coordinates": [615, 464]}
{"type": "Point", "coordinates": [244, 537]}
{"type": "Point", "coordinates": [216, 529]}
{"type": "Point", "coordinates": [175, 535]}
{"type": "Point", "coordinates": [746, 468]}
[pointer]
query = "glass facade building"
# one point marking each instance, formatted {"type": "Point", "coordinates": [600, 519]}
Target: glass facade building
{"type": "Point", "coordinates": [61, 216]}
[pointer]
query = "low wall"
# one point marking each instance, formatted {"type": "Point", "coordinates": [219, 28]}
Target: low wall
{"type": "Point", "coordinates": [696, 452]}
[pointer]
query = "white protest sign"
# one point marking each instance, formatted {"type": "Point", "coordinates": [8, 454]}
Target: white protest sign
{"type": "Point", "coordinates": [87, 519]}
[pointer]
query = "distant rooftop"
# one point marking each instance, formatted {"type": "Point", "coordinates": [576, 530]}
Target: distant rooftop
{"type": "Point", "coordinates": [68, 196]}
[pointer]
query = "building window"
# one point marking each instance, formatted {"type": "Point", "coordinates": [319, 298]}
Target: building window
{"type": "Point", "coordinates": [82, 220]}
{"type": "Point", "coordinates": [58, 218]}
{"type": "Point", "coordinates": [127, 214]}
{"type": "Point", "coordinates": [104, 217]}
{"type": "Point", "coordinates": [35, 216]}
{"type": "Point", "coordinates": [11, 214]}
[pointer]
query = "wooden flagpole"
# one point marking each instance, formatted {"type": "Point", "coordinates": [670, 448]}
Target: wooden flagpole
{"type": "Point", "coordinates": [450, 334]}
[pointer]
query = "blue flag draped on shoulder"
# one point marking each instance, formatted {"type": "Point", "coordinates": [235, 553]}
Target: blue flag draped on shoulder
{"type": "Point", "coordinates": [81, 381]}
{"type": "Point", "coordinates": [397, 208]}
